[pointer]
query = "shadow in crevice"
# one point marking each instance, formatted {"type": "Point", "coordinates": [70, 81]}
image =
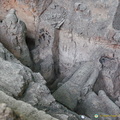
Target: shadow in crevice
{"type": "Point", "coordinates": [30, 43]}
{"type": "Point", "coordinates": [116, 21]}
{"type": "Point", "coordinates": [1, 21]}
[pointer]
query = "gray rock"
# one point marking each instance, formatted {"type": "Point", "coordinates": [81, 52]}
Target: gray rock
{"type": "Point", "coordinates": [87, 87]}
{"type": "Point", "coordinates": [24, 110]}
{"type": "Point", "coordinates": [91, 105]}
{"type": "Point", "coordinates": [85, 30]}
{"type": "Point", "coordinates": [43, 56]}
{"type": "Point", "coordinates": [6, 55]}
{"type": "Point", "coordinates": [20, 82]}
{"type": "Point", "coordinates": [82, 31]}
{"type": "Point", "coordinates": [118, 102]}
{"type": "Point", "coordinates": [38, 95]}
{"type": "Point", "coordinates": [112, 108]}
{"type": "Point", "coordinates": [117, 37]}
{"type": "Point", "coordinates": [11, 80]}
{"type": "Point", "coordinates": [11, 18]}
{"type": "Point", "coordinates": [30, 16]}
{"type": "Point", "coordinates": [69, 92]}
{"type": "Point", "coordinates": [57, 15]}
{"type": "Point", "coordinates": [35, 91]}
{"type": "Point", "coordinates": [100, 105]}
{"type": "Point", "coordinates": [13, 31]}
{"type": "Point", "coordinates": [108, 79]}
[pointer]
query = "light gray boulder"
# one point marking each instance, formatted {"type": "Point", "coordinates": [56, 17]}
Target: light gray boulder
{"type": "Point", "coordinates": [24, 110]}
{"type": "Point", "coordinates": [20, 82]}
{"type": "Point", "coordinates": [69, 93]}
{"type": "Point", "coordinates": [91, 105]}
{"type": "Point", "coordinates": [112, 108]}
{"type": "Point", "coordinates": [99, 104]}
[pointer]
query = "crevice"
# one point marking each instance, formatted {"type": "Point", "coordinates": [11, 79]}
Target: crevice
{"type": "Point", "coordinates": [55, 51]}
{"type": "Point", "coordinates": [30, 43]}
{"type": "Point", "coordinates": [116, 21]}
{"type": "Point", "coordinates": [1, 21]}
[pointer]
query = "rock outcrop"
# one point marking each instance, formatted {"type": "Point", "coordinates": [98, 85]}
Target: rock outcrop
{"type": "Point", "coordinates": [29, 11]}
{"type": "Point", "coordinates": [99, 104]}
{"type": "Point", "coordinates": [84, 27]}
{"type": "Point", "coordinates": [12, 35]}
{"type": "Point", "coordinates": [19, 81]}
{"type": "Point", "coordinates": [72, 46]}
{"type": "Point", "coordinates": [24, 110]}
{"type": "Point", "coordinates": [76, 94]}
{"type": "Point", "coordinates": [69, 93]}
